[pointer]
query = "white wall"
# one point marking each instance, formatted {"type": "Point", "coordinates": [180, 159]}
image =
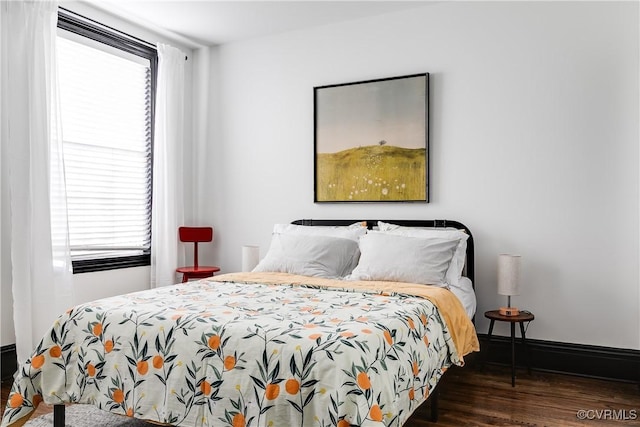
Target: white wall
{"type": "Point", "coordinates": [90, 286]}
{"type": "Point", "coordinates": [534, 145]}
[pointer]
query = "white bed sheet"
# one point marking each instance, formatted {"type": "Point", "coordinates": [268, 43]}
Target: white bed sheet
{"type": "Point", "coordinates": [465, 293]}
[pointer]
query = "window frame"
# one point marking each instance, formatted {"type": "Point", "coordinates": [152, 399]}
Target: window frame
{"type": "Point", "coordinates": [85, 27]}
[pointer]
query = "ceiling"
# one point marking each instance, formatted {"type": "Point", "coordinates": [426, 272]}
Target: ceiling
{"type": "Point", "coordinates": [214, 22]}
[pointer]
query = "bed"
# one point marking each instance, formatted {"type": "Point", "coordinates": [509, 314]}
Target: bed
{"type": "Point", "coordinates": [295, 342]}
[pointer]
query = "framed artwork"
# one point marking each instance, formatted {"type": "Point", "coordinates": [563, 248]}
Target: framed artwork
{"type": "Point", "coordinates": [371, 140]}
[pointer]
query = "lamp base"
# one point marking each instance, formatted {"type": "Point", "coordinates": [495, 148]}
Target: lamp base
{"type": "Point", "coordinates": [509, 311]}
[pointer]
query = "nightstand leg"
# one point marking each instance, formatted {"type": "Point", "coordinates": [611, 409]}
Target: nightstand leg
{"type": "Point", "coordinates": [486, 354]}
{"type": "Point", "coordinates": [526, 348]}
{"type": "Point", "coordinates": [513, 354]}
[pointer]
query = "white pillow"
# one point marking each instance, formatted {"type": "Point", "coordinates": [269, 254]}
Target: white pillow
{"type": "Point", "coordinates": [454, 273]}
{"type": "Point", "coordinates": [353, 231]}
{"type": "Point", "coordinates": [398, 258]}
{"type": "Point", "coordinates": [321, 256]}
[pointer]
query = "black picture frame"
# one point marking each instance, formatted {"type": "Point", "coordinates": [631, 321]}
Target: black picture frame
{"type": "Point", "coordinates": [371, 140]}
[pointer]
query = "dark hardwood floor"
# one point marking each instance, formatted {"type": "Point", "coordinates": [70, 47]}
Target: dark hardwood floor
{"type": "Point", "coordinates": [472, 396]}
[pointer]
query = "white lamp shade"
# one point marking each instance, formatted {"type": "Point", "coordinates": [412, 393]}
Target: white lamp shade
{"type": "Point", "coordinates": [509, 274]}
{"type": "Point", "coordinates": [250, 257]}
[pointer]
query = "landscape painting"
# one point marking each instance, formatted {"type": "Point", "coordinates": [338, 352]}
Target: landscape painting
{"type": "Point", "coordinates": [372, 140]}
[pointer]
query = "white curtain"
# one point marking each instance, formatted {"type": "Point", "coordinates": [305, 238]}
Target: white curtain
{"type": "Point", "coordinates": [200, 174]}
{"type": "Point", "coordinates": [168, 169]}
{"type": "Point", "coordinates": [202, 207]}
{"type": "Point", "coordinates": [40, 262]}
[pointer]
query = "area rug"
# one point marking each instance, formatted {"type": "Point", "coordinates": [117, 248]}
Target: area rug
{"type": "Point", "coordinates": [88, 416]}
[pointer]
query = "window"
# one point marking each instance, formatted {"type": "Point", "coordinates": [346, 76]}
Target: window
{"type": "Point", "coordinates": [107, 90]}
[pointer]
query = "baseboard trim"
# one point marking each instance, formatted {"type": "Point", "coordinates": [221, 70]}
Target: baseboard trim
{"type": "Point", "coordinates": [8, 361]}
{"type": "Point", "coordinates": [591, 361]}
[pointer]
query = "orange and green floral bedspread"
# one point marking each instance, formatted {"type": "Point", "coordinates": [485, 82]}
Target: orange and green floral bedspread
{"type": "Point", "coordinates": [217, 353]}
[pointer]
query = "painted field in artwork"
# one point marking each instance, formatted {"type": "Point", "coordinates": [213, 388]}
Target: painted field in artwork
{"type": "Point", "coordinates": [372, 173]}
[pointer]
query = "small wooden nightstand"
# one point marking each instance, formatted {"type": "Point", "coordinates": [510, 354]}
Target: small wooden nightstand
{"type": "Point", "coordinates": [524, 316]}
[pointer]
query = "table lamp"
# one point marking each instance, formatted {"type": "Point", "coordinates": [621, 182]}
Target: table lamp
{"type": "Point", "coordinates": [250, 257]}
{"type": "Point", "coordinates": [509, 281]}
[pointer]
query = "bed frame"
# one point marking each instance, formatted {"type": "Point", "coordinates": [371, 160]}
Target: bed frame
{"type": "Point", "coordinates": [58, 410]}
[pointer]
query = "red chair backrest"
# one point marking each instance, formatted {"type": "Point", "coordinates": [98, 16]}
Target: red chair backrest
{"type": "Point", "coordinates": [195, 234]}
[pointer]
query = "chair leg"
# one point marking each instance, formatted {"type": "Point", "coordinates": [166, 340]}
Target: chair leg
{"type": "Point", "coordinates": [185, 278]}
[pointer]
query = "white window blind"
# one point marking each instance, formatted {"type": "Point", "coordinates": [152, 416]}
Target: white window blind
{"type": "Point", "coordinates": [106, 128]}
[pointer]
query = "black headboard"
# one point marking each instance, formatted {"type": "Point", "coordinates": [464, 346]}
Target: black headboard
{"type": "Point", "coordinates": [437, 223]}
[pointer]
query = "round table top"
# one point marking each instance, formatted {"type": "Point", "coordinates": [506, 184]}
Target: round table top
{"type": "Point", "coordinates": [523, 316]}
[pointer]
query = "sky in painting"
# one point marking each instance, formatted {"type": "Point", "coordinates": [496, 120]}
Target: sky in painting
{"type": "Point", "coordinates": [362, 114]}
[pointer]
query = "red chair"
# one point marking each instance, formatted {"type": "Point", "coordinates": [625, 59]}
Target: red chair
{"type": "Point", "coordinates": [196, 235]}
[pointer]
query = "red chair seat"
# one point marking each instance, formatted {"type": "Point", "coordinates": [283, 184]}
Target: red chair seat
{"type": "Point", "coordinates": [196, 273]}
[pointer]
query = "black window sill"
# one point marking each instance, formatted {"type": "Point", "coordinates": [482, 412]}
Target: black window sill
{"type": "Point", "coordinates": [104, 264]}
